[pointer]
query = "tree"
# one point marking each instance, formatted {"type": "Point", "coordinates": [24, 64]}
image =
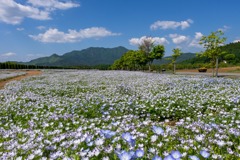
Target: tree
{"type": "Point", "coordinates": [151, 51]}
{"type": "Point", "coordinates": [213, 50]}
{"type": "Point", "coordinates": [156, 53]}
{"type": "Point", "coordinates": [176, 53]}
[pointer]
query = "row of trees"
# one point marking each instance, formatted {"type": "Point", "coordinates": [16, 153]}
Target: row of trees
{"type": "Point", "coordinates": [148, 51]}
{"type": "Point", "coordinates": [13, 65]}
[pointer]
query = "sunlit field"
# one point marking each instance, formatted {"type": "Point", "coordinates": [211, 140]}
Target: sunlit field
{"type": "Point", "coordinates": [120, 115]}
{"type": "Point", "coordinates": [8, 74]}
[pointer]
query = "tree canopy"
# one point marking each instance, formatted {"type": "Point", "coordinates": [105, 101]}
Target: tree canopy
{"type": "Point", "coordinates": [137, 59]}
{"type": "Point", "coordinates": [212, 44]}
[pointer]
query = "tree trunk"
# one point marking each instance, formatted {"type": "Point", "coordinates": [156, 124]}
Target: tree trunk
{"type": "Point", "coordinates": [174, 68]}
{"type": "Point", "coordinates": [213, 71]}
{"type": "Point", "coordinates": [217, 67]}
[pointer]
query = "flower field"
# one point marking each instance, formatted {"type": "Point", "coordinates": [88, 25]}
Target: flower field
{"type": "Point", "coordinates": [120, 115]}
{"type": "Point", "coordinates": [7, 74]}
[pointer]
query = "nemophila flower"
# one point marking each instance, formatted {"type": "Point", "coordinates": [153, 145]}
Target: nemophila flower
{"type": "Point", "coordinates": [199, 138]}
{"type": "Point", "coordinates": [193, 157]}
{"type": "Point", "coordinates": [127, 136]}
{"type": "Point", "coordinates": [169, 157]}
{"type": "Point", "coordinates": [176, 154]}
{"type": "Point", "coordinates": [152, 150]}
{"type": "Point", "coordinates": [139, 153]}
{"type": "Point", "coordinates": [158, 130]}
{"type": "Point", "coordinates": [221, 143]}
{"type": "Point", "coordinates": [99, 141]}
{"type": "Point", "coordinates": [204, 153]}
{"type": "Point", "coordinates": [108, 133]}
{"type": "Point", "coordinates": [156, 158]}
{"type": "Point", "coordinates": [154, 138]}
{"type": "Point", "coordinates": [105, 158]}
{"type": "Point", "coordinates": [125, 155]}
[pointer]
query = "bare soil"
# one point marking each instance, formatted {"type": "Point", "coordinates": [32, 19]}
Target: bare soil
{"type": "Point", "coordinates": [221, 70]}
{"type": "Point", "coordinates": [17, 78]}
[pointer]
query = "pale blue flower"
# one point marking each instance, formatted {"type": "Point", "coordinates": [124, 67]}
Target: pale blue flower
{"type": "Point", "coordinates": [157, 158]}
{"type": "Point", "coordinates": [124, 156]}
{"type": "Point", "coordinates": [108, 133]}
{"type": "Point", "coordinates": [194, 158]}
{"type": "Point", "coordinates": [169, 157]}
{"type": "Point", "coordinates": [139, 153]}
{"type": "Point", "coordinates": [158, 130]}
{"type": "Point", "coordinates": [176, 154]}
{"type": "Point", "coordinates": [127, 136]}
{"type": "Point", "coordinates": [204, 153]}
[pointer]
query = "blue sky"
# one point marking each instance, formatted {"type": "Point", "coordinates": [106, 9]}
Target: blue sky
{"type": "Point", "coordinates": [35, 28]}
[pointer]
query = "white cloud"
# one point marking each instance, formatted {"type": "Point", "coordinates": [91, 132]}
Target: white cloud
{"type": "Point", "coordinates": [53, 35]}
{"type": "Point", "coordinates": [14, 13]}
{"type": "Point", "coordinates": [8, 54]}
{"type": "Point", "coordinates": [224, 28]}
{"type": "Point", "coordinates": [171, 24]}
{"type": "Point", "coordinates": [156, 40]}
{"type": "Point", "coordinates": [178, 39]}
{"type": "Point", "coordinates": [53, 4]}
{"type": "Point", "coordinates": [41, 27]}
{"type": "Point", "coordinates": [195, 41]}
{"type": "Point", "coordinates": [236, 41]}
{"type": "Point", "coordinates": [198, 35]}
{"type": "Point", "coordinates": [20, 29]}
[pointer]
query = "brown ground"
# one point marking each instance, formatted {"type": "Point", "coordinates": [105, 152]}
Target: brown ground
{"type": "Point", "coordinates": [28, 73]}
{"type": "Point", "coordinates": [221, 70]}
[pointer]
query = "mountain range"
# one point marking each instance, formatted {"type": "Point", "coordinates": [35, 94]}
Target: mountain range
{"type": "Point", "coordinates": [106, 56]}
{"type": "Point", "coordinates": [87, 57]}
{"type": "Point", "coordinates": [93, 56]}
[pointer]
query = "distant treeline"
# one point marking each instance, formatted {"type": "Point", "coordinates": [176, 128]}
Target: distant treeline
{"type": "Point", "coordinates": [12, 65]}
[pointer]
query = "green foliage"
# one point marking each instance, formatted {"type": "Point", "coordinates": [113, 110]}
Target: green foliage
{"type": "Point", "coordinates": [157, 52]}
{"type": "Point", "coordinates": [212, 45]}
{"type": "Point", "coordinates": [136, 60]}
{"type": "Point", "coordinates": [151, 51]}
{"type": "Point", "coordinates": [176, 53]}
{"type": "Point", "coordinates": [131, 60]}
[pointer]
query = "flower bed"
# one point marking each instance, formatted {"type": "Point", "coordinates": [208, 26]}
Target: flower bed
{"type": "Point", "coordinates": [120, 115]}
{"type": "Point", "coordinates": [7, 74]}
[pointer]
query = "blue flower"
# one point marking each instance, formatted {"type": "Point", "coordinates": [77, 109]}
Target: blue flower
{"type": "Point", "coordinates": [108, 133]}
{"type": "Point", "coordinates": [139, 153]}
{"type": "Point", "coordinates": [127, 136]}
{"type": "Point", "coordinates": [132, 142]}
{"type": "Point", "coordinates": [157, 158]}
{"type": "Point", "coordinates": [169, 157]}
{"type": "Point", "coordinates": [158, 130]}
{"type": "Point", "coordinates": [204, 153]}
{"type": "Point", "coordinates": [125, 156]}
{"type": "Point", "coordinates": [176, 154]}
{"type": "Point", "coordinates": [194, 158]}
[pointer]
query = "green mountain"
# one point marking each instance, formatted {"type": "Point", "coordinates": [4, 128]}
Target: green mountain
{"type": "Point", "coordinates": [229, 49]}
{"type": "Point", "coordinates": [183, 57]}
{"type": "Point", "coordinates": [90, 57]}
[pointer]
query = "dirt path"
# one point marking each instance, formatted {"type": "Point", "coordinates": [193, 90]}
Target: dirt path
{"type": "Point", "coordinates": [221, 70]}
{"type": "Point", "coordinates": [28, 74]}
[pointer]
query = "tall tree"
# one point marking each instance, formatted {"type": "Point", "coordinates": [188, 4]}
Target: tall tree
{"type": "Point", "coordinates": [213, 50]}
{"type": "Point", "coordinates": [151, 51]}
{"type": "Point", "coordinates": [146, 47]}
{"type": "Point", "coordinates": [176, 53]}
